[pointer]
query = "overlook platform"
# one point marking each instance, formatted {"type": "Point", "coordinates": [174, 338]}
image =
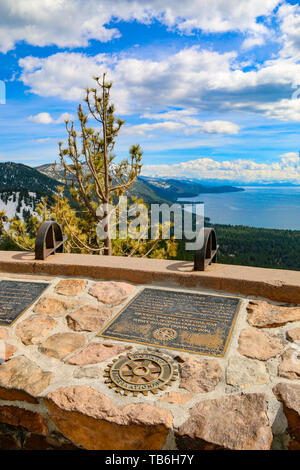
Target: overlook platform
{"type": "Point", "coordinates": [61, 377]}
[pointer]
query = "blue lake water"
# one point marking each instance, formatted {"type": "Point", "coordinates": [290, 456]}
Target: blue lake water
{"type": "Point", "coordinates": [256, 207]}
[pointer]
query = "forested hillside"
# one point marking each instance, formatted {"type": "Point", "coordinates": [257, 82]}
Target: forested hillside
{"type": "Point", "coordinates": [250, 246]}
{"type": "Point", "coordinates": [22, 188]}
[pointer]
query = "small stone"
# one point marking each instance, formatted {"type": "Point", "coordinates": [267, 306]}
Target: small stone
{"type": "Point", "coordinates": [34, 329]}
{"type": "Point", "coordinates": [237, 422]}
{"type": "Point", "coordinates": [3, 333]}
{"type": "Point", "coordinates": [61, 345]}
{"type": "Point", "coordinates": [289, 395]}
{"type": "Point", "coordinates": [259, 345]}
{"type": "Point", "coordinates": [290, 365]}
{"type": "Point", "coordinates": [111, 292]}
{"type": "Point", "coordinates": [264, 315]}
{"type": "Point", "coordinates": [176, 398]}
{"type": "Point", "coordinates": [244, 373]}
{"type": "Point", "coordinates": [97, 352]}
{"type": "Point", "coordinates": [89, 419]}
{"type": "Point", "coordinates": [53, 306]}
{"type": "Point", "coordinates": [294, 334]}
{"type": "Point", "coordinates": [29, 420]}
{"type": "Point", "coordinates": [88, 373]}
{"type": "Point", "coordinates": [22, 375]}
{"type": "Point", "coordinates": [6, 351]}
{"type": "Point", "coordinates": [71, 287]}
{"type": "Point", "coordinates": [88, 318]}
{"type": "Point", "coordinates": [199, 375]}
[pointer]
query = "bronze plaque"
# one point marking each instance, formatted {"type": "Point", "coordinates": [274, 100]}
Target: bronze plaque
{"type": "Point", "coordinates": [16, 297]}
{"type": "Point", "coordinates": [196, 323]}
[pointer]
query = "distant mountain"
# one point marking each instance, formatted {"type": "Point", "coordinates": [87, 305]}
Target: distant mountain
{"type": "Point", "coordinates": [48, 170]}
{"type": "Point", "coordinates": [156, 190]}
{"type": "Point", "coordinates": [22, 188]}
{"type": "Point", "coordinates": [173, 189]}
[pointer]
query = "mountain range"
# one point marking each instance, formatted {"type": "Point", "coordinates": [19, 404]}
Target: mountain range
{"type": "Point", "coordinates": [22, 187]}
{"type": "Point", "coordinates": [157, 190]}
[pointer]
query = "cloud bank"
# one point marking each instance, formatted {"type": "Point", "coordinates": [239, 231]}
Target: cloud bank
{"type": "Point", "coordinates": [191, 78]}
{"type": "Point", "coordinates": [73, 23]}
{"type": "Point", "coordinates": [286, 169]}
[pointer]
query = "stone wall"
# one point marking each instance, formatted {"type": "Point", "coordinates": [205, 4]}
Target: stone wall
{"type": "Point", "coordinates": [53, 392]}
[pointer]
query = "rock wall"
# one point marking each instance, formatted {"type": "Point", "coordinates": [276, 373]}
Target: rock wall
{"type": "Point", "coordinates": [53, 393]}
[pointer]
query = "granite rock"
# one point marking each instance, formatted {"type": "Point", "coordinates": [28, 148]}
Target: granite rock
{"type": "Point", "coordinates": [256, 344]}
{"type": "Point", "coordinates": [199, 375]}
{"type": "Point", "coordinates": [289, 395]}
{"type": "Point", "coordinates": [97, 352]}
{"type": "Point", "coordinates": [289, 368]}
{"type": "Point", "coordinates": [111, 292]}
{"type": "Point", "coordinates": [88, 318]}
{"type": "Point", "coordinates": [53, 306]}
{"type": "Point", "coordinates": [70, 287]}
{"type": "Point", "coordinates": [294, 334]}
{"type": "Point", "coordinates": [237, 422]}
{"type": "Point", "coordinates": [33, 329]}
{"type": "Point", "coordinates": [89, 419]}
{"type": "Point", "coordinates": [61, 345]}
{"type": "Point", "coordinates": [262, 314]}
{"type": "Point", "coordinates": [22, 377]}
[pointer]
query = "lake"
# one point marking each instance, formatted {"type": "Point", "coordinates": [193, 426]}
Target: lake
{"type": "Point", "coordinates": [271, 207]}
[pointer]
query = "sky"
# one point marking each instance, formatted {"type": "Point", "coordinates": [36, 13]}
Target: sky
{"type": "Point", "coordinates": [210, 89]}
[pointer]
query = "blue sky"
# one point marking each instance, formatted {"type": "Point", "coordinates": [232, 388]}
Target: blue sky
{"type": "Point", "coordinates": [209, 88]}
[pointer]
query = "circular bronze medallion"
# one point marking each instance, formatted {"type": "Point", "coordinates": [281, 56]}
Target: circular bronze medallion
{"type": "Point", "coordinates": [140, 372]}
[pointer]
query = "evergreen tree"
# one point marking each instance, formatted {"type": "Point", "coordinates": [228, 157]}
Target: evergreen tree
{"type": "Point", "coordinates": [87, 160]}
{"type": "Point", "coordinates": [93, 181]}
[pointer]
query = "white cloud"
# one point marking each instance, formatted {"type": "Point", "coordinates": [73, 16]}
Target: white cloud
{"type": "Point", "coordinates": [220, 127]}
{"type": "Point", "coordinates": [283, 110]}
{"type": "Point", "coordinates": [41, 118]}
{"type": "Point", "coordinates": [72, 23]}
{"type": "Point", "coordinates": [142, 129]}
{"type": "Point", "coordinates": [189, 79]}
{"type": "Point", "coordinates": [64, 75]}
{"type": "Point", "coordinates": [289, 18]}
{"type": "Point", "coordinates": [184, 120]}
{"type": "Point", "coordinates": [43, 140]}
{"type": "Point", "coordinates": [253, 40]}
{"type": "Point", "coordinates": [65, 117]}
{"type": "Point", "coordinates": [286, 169]}
{"type": "Point", "coordinates": [46, 118]}
{"type": "Point", "coordinates": [64, 23]}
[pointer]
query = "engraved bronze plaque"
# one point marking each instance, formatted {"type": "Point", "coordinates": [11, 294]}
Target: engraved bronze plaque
{"type": "Point", "coordinates": [16, 297]}
{"type": "Point", "coordinates": [196, 323]}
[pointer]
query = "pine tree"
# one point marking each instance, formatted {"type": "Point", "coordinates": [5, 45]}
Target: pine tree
{"type": "Point", "coordinates": [93, 181]}
{"type": "Point", "coordinates": [87, 160]}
